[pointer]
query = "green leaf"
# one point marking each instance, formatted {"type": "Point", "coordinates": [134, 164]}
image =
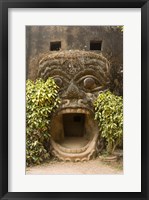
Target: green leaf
{"type": "Point", "coordinates": [41, 101]}
{"type": "Point", "coordinates": [109, 114]}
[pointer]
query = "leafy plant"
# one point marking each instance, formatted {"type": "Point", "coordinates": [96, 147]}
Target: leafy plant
{"type": "Point", "coordinates": [121, 28]}
{"type": "Point", "coordinates": [109, 114]}
{"type": "Point", "coordinates": [41, 101]}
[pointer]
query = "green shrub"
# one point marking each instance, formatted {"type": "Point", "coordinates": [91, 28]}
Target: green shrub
{"type": "Point", "coordinates": [41, 101]}
{"type": "Point", "coordinates": [109, 114]}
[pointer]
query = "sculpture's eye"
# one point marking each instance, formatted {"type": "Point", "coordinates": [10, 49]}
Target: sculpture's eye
{"type": "Point", "coordinates": [58, 81]}
{"type": "Point", "coordinates": [89, 83]}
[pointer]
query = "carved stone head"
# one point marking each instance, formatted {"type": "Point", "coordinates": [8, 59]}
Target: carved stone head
{"type": "Point", "coordinates": [81, 76]}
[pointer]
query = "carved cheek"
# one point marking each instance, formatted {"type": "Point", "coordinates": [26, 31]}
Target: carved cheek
{"type": "Point", "coordinates": [91, 96]}
{"type": "Point", "coordinates": [89, 83]}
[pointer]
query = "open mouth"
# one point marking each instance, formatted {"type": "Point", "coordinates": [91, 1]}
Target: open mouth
{"type": "Point", "coordinates": [74, 134]}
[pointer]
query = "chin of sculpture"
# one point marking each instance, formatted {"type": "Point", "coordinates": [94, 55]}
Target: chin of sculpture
{"type": "Point", "coordinates": [81, 76]}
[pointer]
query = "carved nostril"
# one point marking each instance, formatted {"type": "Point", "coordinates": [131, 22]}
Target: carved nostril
{"type": "Point", "coordinates": [83, 102]}
{"type": "Point", "coordinates": [80, 102]}
{"type": "Point", "coordinates": [66, 102]}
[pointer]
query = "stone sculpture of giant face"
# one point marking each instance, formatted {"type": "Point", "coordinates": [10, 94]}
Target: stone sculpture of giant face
{"type": "Point", "coordinates": [81, 76]}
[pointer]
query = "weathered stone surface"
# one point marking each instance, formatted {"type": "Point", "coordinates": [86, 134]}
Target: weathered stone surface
{"type": "Point", "coordinates": [76, 37]}
{"type": "Point", "coordinates": [75, 115]}
{"type": "Point", "coordinates": [81, 75]}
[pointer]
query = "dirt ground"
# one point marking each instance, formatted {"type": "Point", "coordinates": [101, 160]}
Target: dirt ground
{"type": "Point", "coordinates": [95, 166]}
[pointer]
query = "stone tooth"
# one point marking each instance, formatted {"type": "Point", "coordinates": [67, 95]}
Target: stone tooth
{"type": "Point", "coordinates": [72, 110]}
{"type": "Point", "coordinates": [79, 110]}
{"type": "Point", "coordinates": [67, 159]}
{"type": "Point", "coordinates": [84, 159]}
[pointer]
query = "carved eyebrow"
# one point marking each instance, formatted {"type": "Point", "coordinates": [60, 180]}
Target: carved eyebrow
{"type": "Point", "coordinates": [50, 62]}
{"type": "Point", "coordinates": [54, 72]}
{"type": "Point", "coordinates": [103, 63]}
{"type": "Point", "coordinates": [95, 62]}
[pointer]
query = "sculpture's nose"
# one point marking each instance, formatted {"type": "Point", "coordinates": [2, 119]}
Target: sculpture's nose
{"type": "Point", "coordinates": [72, 92]}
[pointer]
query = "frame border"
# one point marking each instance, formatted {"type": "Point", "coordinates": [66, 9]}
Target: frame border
{"type": "Point", "coordinates": [4, 6]}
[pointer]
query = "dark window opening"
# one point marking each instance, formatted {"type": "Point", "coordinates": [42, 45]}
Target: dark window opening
{"type": "Point", "coordinates": [55, 46]}
{"type": "Point", "coordinates": [77, 118]}
{"type": "Point", "coordinates": [74, 125]}
{"type": "Point", "coordinates": [95, 45]}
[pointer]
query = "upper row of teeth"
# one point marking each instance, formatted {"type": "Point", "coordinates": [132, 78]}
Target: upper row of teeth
{"type": "Point", "coordinates": [71, 110]}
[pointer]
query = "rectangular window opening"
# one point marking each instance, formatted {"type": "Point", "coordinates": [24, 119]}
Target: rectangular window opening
{"type": "Point", "coordinates": [55, 46]}
{"type": "Point", "coordinates": [95, 45]}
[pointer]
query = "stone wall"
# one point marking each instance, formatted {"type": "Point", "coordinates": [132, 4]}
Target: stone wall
{"type": "Point", "coordinates": [38, 40]}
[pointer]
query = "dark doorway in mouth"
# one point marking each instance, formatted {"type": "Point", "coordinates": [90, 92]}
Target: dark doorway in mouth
{"type": "Point", "coordinates": [74, 125]}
